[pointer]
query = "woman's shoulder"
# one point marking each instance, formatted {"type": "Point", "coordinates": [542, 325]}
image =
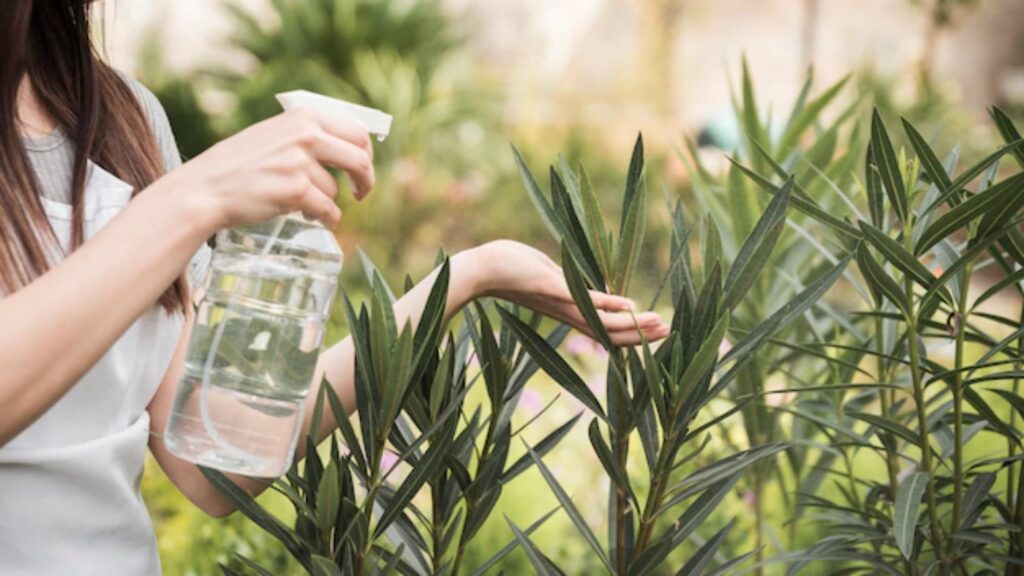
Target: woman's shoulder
{"type": "Point", "coordinates": [158, 121]}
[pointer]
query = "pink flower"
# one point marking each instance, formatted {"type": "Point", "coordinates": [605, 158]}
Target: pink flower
{"type": "Point", "coordinates": [531, 401]}
{"type": "Point", "coordinates": [579, 345]}
{"type": "Point", "coordinates": [724, 347]}
{"type": "Point", "coordinates": [388, 460]}
{"type": "Point", "coordinates": [750, 498]}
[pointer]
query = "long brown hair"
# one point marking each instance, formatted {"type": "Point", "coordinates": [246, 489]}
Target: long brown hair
{"type": "Point", "coordinates": [49, 42]}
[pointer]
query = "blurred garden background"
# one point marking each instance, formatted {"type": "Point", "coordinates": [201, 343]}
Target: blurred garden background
{"type": "Point", "coordinates": [464, 79]}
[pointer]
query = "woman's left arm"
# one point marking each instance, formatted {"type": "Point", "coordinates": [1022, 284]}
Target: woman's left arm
{"type": "Point", "coordinates": [502, 269]}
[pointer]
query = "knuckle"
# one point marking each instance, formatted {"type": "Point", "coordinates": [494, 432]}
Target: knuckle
{"type": "Point", "coordinates": [298, 187]}
{"type": "Point", "coordinates": [363, 140]}
{"type": "Point", "coordinates": [300, 115]}
{"type": "Point", "coordinates": [363, 163]}
{"type": "Point", "coordinates": [306, 136]}
{"type": "Point", "coordinates": [296, 158]}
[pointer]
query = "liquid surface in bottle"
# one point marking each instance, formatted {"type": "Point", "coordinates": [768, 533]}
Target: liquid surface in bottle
{"type": "Point", "coordinates": [253, 350]}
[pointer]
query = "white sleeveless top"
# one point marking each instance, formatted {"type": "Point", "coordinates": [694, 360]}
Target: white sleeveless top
{"type": "Point", "coordinates": [69, 484]}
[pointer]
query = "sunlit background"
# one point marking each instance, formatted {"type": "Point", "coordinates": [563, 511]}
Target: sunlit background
{"type": "Point", "coordinates": [467, 78]}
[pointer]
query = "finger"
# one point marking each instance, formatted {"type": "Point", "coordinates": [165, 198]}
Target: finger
{"type": "Point", "coordinates": [601, 300]}
{"type": "Point", "coordinates": [619, 321]}
{"type": "Point", "coordinates": [610, 302]}
{"type": "Point", "coordinates": [346, 129]}
{"type": "Point", "coordinates": [612, 322]}
{"type": "Point", "coordinates": [322, 179]}
{"type": "Point", "coordinates": [635, 337]}
{"type": "Point", "coordinates": [317, 206]}
{"type": "Point", "coordinates": [346, 156]}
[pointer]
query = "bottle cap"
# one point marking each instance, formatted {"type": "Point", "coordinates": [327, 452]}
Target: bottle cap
{"type": "Point", "coordinates": [376, 122]}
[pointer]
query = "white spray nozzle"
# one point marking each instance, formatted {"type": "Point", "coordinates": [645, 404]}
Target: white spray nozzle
{"type": "Point", "coordinates": [376, 122]}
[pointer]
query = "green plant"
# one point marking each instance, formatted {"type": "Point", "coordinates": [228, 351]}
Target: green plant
{"type": "Point", "coordinates": [937, 508]}
{"type": "Point", "coordinates": [820, 154]}
{"type": "Point", "coordinates": [660, 395]}
{"type": "Point", "coordinates": [352, 515]}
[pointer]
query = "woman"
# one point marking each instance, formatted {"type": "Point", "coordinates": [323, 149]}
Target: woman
{"type": "Point", "coordinates": [101, 237]}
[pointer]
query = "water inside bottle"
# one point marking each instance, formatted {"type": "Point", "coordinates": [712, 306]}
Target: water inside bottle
{"type": "Point", "coordinates": [269, 312]}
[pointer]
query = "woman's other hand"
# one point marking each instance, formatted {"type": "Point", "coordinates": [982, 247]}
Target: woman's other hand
{"type": "Point", "coordinates": [516, 272]}
{"type": "Point", "coordinates": [275, 167]}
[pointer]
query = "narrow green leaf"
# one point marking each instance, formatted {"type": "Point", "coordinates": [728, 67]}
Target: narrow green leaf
{"type": "Point", "coordinates": [571, 510]}
{"type": "Point", "coordinates": [965, 212]}
{"type": "Point", "coordinates": [974, 499]}
{"type": "Point", "coordinates": [1008, 131]}
{"type": "Point", "coordinates": [537, 559]}
{"type": "Point", "coordinates": [969, 256]}
{"type": "Point", "coordinates": [541, 448]}
{"type": "Point", "coordinates": [575, 237]}
{"type": "Point", "coordinates": [581, 296]}
{"type": "Point", "coordinates": [702, 507]}
{"type": "Point", "coordinates": [880, 283]}
{"type": "Point", "coordinates": [929, 161]}
{"type": "Point", "coordinates": [253, 511]}
{"type": "Point", "coordinates": [757, 248]}
{"type": "Point", "coordinates": [425, 469]}
{"type": "Point", "coordinates": [711, 246]}
{"type": "Point", "coordinates": [540, 201]}
{"type": "Point", "coordinates": [807, 117]}
{"type": "Point", "coordinates": [888, 425]}
{"type": "Point", "coordinates": [700, 559]}
{"type": "Point", "coordinates": [804, 205]}
{"type": "Point", "coordinates": [799, 304]}
{"type": "Point", "coordinates": [1013, 201]}
{"type": "Point", "coordinates": [631, 238]}
{"type": "Point", "coordinates": [508, 548]}
{"type": "Point", "coordinates": [371, 271]}
{"type": "Point", "coordinates": [990, 415]}
{"type": "Point", "coordinates": [905, 508]}
{"type": "Point", "coordinates": [594, 222]}
{"type": "Point", "coordinates": [888, 167]}
{"type": "Point", "coordinates": [328, 497]}
{"type": "Point", "coordinates": [873, 187]}
{"type": "Point", "coordinates": [898, 256]}
{"type": "Point", "coordinates": [633, 178]}
{"type": "Point", "coordinates": [393, 562]}
{"type": "Point", "coordinates": [604, 454]}
{"type": "Point", "coordinates": [750, 117]}
{"type": "Point", "coordinates": [703, 361]}
{"type": "Point", "coordinates": [552, 363]}
{"type": "Point", "coordinates": [972, 173]}
{"type": "Point", "coordinates": [323, 566]}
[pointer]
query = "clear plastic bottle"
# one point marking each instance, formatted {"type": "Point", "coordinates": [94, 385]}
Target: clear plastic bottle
{"type": "Point", "coordinates": [254, 347]}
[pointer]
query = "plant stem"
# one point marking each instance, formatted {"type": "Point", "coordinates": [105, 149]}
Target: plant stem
{"type": "Point", "coordinates": [887, 399]}
{"type": "Point", "coordinates": [958, 402]}
{"type": "Point", "coordinates": [881, 374]}
{"type": "Point", "coordinates": [1018, 518]}
{"type": "Point", "coordinates": [659, 482]}
{"type": "Point", "coordinates": [758, 523]}
{"type": "Point", "coordinates": [437, 492]}
{"type": "Point", "coordinates": [922, 423]}
{"type": "Point", "coordinates": [621, 448]}
{"type": "Point", "coordinates": [922, 413]}
{"type": "Point", "coordinates": [1013, 491]}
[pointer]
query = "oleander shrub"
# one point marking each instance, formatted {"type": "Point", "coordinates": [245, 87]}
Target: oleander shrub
{"type": "Point", "coordinates": [355, 515]}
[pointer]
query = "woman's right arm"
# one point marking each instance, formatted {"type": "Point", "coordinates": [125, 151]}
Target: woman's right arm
{"type": "Point", "coordinates": [57, 327]}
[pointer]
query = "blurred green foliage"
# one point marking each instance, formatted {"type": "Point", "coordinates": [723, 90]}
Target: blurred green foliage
{"type": "Point", "coordinates": [446, 177]}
